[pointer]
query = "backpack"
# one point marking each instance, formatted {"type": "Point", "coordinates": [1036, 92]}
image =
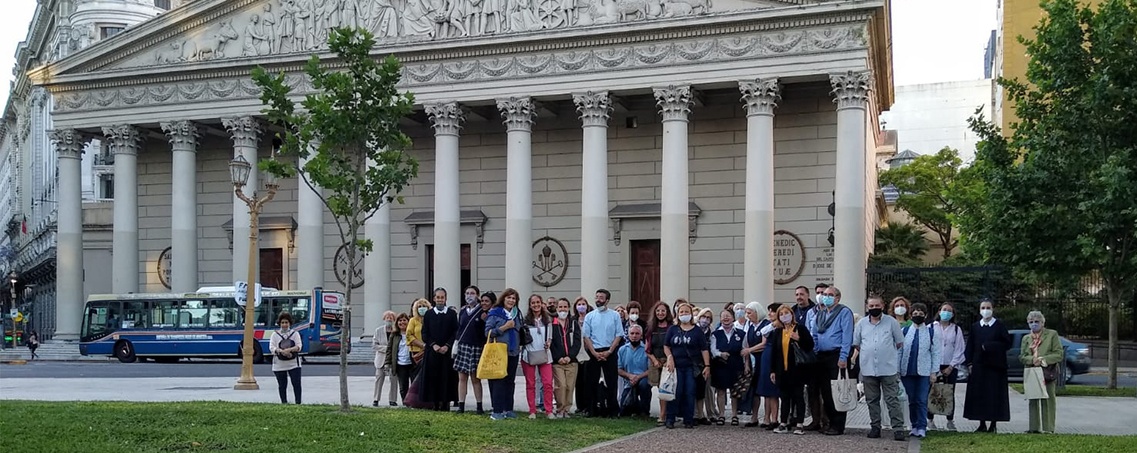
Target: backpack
{"type": "Point", "coordinates": [285, 343]}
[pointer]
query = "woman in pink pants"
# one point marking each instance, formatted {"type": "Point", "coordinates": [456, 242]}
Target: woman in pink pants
{"type": "Point", "coordinates": [535, 356]}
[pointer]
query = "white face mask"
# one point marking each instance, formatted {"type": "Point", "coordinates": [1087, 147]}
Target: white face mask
{"type": "Point", "coordinates": [684, 319]}
{"type": "Point", "coordinates": [704, 323]}
{"type": "Point", "coordinates": [634, 317]}
{"type": "Point", "coordinates": [422, 311]}
{"type": "Point", "coordinates": [986, 313]}
{"type": "Point", "coordinates": [562, 314]}
{"type": "Point", "coordinates": [900, 310]}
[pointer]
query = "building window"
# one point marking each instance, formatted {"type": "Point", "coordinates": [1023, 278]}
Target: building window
{"type": "Point", "coordinates": [106, 187]}
{"type": "Point", "coordinates": [106, 31]}
{"type": "Point", "coordinates": [163, 4]}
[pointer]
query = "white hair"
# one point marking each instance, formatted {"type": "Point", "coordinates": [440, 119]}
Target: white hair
{"type": "Point", "coordinates": [1035, 315]}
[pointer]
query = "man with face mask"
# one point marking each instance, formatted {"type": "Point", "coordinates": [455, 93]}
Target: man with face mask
{"type": "Point", "coordinates": [878, 338]}
{"type": "Point", "coordinates": [633, 367]}
{"type": "Point", "coordinates": [832, 330]}
{"type": "Point", "coordinates": [602, 331]}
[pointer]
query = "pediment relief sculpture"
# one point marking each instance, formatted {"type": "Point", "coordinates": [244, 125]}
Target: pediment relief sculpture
{"type": "Point", "coordinates": [301, 26]}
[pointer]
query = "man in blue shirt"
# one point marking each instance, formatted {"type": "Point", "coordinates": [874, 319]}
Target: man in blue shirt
{"type": "Point", "coordinates": [633, 367]}
{"type": "Point", "coordinates": [832, 332]}
{"type": "Point", "coordinates": [602, 332]}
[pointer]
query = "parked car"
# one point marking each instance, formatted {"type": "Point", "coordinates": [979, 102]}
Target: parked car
{"type": "Point", "coordinates": [1077, 358]}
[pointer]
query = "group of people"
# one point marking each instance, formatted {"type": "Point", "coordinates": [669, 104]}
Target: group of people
{"type": "Point", "coordinates": [773, 363]}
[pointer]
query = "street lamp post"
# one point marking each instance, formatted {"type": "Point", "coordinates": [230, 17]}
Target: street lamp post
{"type": "Point", "coordinates": [239, 170]}
{"type": "Point", "coordinates": [13, 278]}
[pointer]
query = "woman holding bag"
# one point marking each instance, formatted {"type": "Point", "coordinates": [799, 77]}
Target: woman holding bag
{"type": "Point", "coordinates": [1042, 349]}
{"type": "Point", "coordinates": [502, 324]}
{"type": "Point", "coordinates": [791, 353]}
{"type": "Point", "coordinates": [657, 328]}
{"type": "Point", "coordinates": [688, 352]}
{"type": "Point", "coordinates": [535, 357]}
{"type": "Point", "coordinates": [564, 350]}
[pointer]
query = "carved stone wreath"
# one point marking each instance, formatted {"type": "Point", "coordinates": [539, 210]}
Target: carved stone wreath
{"type": "Point", "coordinates": [341, 267]}
{"type": "Point", "coordinates": [550, 263]}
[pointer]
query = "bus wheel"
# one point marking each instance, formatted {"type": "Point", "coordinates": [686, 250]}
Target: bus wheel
{"type": "Point", "coordinates": [124, 351]}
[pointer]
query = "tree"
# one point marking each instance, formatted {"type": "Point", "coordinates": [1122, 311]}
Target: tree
{"type": "Point", "coordinates": [347, 135]}
{"type": "Point", "coordinates": [902, 240]}
{"type": "Point", "coordinates": [1060, 186]}
{"type": "Point", "coordinates": [932, 188]}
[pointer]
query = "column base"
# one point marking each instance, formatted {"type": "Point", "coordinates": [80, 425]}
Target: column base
{"type": "Point", "coordinates": [246, 385]}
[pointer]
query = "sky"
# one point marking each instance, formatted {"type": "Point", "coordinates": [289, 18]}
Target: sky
{"type": "Point", "coordinates": [932, 40]}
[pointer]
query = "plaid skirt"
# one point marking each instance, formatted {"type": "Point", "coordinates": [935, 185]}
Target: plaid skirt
{"type": "Point", "coordinates": [466, 358]}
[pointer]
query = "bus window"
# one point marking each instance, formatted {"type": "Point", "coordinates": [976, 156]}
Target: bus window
{"type": "Point", "coordinates": [223, 313]}
{"type": "Point", "coordinates": [164, 313]}
{"type": "Point", "coordinates": [193, 314]}
{"type": "Point", "coordinates": [133, 315]}
{"type": "Point", "coordinates": [298, 307]}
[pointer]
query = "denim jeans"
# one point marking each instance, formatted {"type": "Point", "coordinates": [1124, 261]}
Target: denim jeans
{"type": "Point", "coordinates": [637, 398]}
{"type": "Point", "coordinates": [501, 390]}
{"type": "Point", "coordinates": [684, 403]}
{"type": "Point", "coordinates": [917, 388]}
{"type": "Point", "coordinates": [282, 378]}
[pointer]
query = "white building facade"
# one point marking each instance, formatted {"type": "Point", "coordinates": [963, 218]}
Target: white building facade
{"type": "Point", "coordinates": [660, 150]}
{"type": "Point", "coordinates": [28, 158]}
{"type": "Point", "coordinates": [928, 117]}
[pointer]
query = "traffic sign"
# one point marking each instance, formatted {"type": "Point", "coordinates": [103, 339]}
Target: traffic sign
{"type": "Point", "coordinates": [240, 293]}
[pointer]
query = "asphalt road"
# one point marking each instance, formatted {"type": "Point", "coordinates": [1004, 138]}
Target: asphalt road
{"type": "Point", "coordinates": [196, 368]}
{"type": "Point", "coordinates": [1123, 379]}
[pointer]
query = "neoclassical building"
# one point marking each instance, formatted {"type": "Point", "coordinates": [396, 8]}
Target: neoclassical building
{"type": "Point", "coordinates": [661, 149]}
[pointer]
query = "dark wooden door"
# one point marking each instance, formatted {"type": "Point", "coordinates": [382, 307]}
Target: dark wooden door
{"type": "Point", "coordinates": [272, 268]}
{"type": "Point", "coordinates": [466, 274]}
{"type": "Point", "coordinates": [645, 272]}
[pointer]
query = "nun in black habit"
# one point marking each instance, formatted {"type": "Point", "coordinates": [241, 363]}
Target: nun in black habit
{"type": "Point", "coordinates": [439, 328]}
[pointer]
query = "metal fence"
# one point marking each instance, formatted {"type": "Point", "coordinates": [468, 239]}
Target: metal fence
{"type": "Point", "coordinates": [1081, 313]}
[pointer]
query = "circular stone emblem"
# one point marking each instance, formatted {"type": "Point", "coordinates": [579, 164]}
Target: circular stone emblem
{"type": "Point", "coordinates": [341, 267]}
{"type": "Point", "coordinates": [789, 257]}
{"type": "Point", "coordinates": [164, 267]}
{"type": "Point", "coordinates": [551, 261]}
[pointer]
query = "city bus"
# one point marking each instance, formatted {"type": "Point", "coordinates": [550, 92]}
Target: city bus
{"type": "Point", "coordinates": [166, 327]}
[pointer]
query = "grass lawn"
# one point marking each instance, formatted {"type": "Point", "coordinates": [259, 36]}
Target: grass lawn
{"type": "Point", "coordinates": [1088, 390]}
{"type": "Point", "coordinates": [93, 427]}
{"type": "Point", "coordinates": [945, 442]}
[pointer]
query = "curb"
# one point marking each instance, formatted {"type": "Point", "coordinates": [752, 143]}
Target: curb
{"type": "Point", "coordinates": [15, 362]}
{"type": "Point", "coordinates": [914, 445]}
{"type": "Point", "coordinates": [615, 441]}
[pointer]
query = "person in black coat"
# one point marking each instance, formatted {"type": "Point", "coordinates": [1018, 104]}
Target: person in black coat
{"type": "Point", "coordinates": [986, 359]}
{"type": "Point", "coordinates": [787, 374]}
{"type": "Point", "coordinates": [439, 329]}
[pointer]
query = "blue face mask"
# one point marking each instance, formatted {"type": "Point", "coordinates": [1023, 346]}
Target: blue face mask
{"type": "Point", "coordinates": [945, 316]}
{"type": "Point", "coordinates": [1035, 326]}
{"type": "Point", "coordinates": [827, 300]}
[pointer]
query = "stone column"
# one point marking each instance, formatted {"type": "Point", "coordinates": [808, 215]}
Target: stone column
{"type": "Point", "coordinates": [674, 255]}
{"type": "Point", "coordinates": [125, 141]}
{"type": "Point", "coordinates": [377, 270]}
{"type": "Point", "coordinates": [246, 134]}
{"type": "Point", "coordinates": [850, 91]}
{"type": "Point", "coordinates": [594, 108]}
{"type": "Point", "coordinates": [309, 236]}
{"type": "Point", "coordinates": [759, 96]}
{"type": "Point", "coordinates": [447, 118]}
{"type": "Point", "coordinates": [183, 137]}
{"type": "Point", "coordinates": [517, 114]}
{"type": "Point", "coordinates": [69, 237]}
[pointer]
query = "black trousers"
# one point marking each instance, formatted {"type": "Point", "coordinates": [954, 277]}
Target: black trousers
{"type": "Point", "coordinates": [604, 400]}
{"type": "Point", "coordinates": [404, 373]}
{"type": "Point", "coordinates": [282, 378]}
{"type": "Point", "coordinates": [792, 407]}
{"type": "Point", "coordinates": [584, 388]}
{"type": "Point", "coordinates": [828, 361]}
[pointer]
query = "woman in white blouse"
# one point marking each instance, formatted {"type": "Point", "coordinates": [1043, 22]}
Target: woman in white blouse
{"type": "Point", "coordinates": [952, 356]}
{"type": "Point", "coordinates": [286, 357]}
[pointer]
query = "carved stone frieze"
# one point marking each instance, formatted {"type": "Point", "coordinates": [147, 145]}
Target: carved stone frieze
{"type": "Point", "coordinates": [760, 96]}
{"type": "Point", "coordinates": [550, 61]}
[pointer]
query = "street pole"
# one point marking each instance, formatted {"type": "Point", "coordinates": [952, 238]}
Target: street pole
{"type": "Point", "coordinates": [12, 281]}
{"type": "Point", "coordinates": [247, 381]}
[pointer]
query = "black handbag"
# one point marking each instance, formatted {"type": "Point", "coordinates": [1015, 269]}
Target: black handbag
{"type": "Point", "coordinates": [801, 356]}
{"type": "Point", "coordinates": [1050, 373]}
{"type": "Point", "coordinates": [526, 338]}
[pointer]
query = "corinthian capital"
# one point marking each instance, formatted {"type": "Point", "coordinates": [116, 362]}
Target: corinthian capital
{"type": "Point", "coordinates": [123, 138]}
{"type": "Point", "coordinates": [517, 113]}
{"type": "Point", "coordinates": [246, 130]}
{"type": "Point", "coordinates": [760, 96]}
{"type": "Point", "coordinates": [68, 143]}
{"type": "Point", "coordinates": [674, 102]}
{"type": "Point", "coordinates": [851, 89]}
{"type": "Point", "coordinates": [594, 107]}
{"type": "Point", "coordinates": [183, 135]}
{"type": "Point", "coordinates": [446, 116]}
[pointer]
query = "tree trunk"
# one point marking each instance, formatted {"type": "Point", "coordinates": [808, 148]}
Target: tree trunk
{"type": "Point", "coordinates": [345, 332]}
{"type": "Point", "coordinates": [1114, 316]}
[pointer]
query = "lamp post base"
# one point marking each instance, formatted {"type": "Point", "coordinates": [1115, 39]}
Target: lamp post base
{"type": "Point", "coordinates": [246, 385]}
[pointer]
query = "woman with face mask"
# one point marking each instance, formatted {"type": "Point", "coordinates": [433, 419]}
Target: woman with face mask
{"type": "Point", "coordinates": [1043, 349]}
{"type": "Point", "coordinates": [584, 391]}
{"type": "Point", "coordinates": [919, 365]}
{"type": "Point", "coordinates": [788, 338]}
{"type": "Point", "coordinates": [986, 358]}
{"type": "Point", "coordinates": [727, 365]}
{"type": "Point", "coordinates": [899, 310]}
{"type": "Point", "coordinates": [503, 324]}
{"type": "Point", "coordinates": [661, 321]}
{"type": "Point", "coordinates": [399, 356]}
{"type": "Point", "coordinates": [705, 407]}
{"type": "Point", "coordinates": [565, 348]}
{"type": "Point", "coordinates": [468, 351]}
{"type": "Point", "coordinates": [687, 353]}
{"type": "Point", "coordinates": [414, 330]}
{"type": "Point", "coordinates": [953, 344]}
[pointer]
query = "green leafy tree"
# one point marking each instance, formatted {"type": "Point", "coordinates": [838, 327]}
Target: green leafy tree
{"type": "Point", "coordinates": [931, 190]}
{"type": "Point", "coordinates": [348, 132]}
{"type": "Point", "coordinates": [1061, 188]}
{"type": "Point", "coordinates": [901, 240]}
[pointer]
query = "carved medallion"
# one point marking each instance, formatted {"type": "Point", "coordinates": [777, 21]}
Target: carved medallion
{"type": "Point", "coordinates": [550, 264]}
{"type": "Point", "coordinates": [341, 266]}
{"type": "Point", "coordinates": [164, 267]}
{"type": "Point", "coordinates": [789, 257]}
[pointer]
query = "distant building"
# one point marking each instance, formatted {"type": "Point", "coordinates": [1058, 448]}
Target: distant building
{"type": "Point", "coordinates": [931, 116]}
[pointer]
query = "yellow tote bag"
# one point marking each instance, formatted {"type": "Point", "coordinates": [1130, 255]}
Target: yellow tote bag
{"type": "Point", "coordinates": [494, 360]}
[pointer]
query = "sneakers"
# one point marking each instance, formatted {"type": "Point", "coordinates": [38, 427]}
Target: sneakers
{"type": "Point", "coordinates": [781, 429]}
{"type": "Point", "coordinates": [551, 416]}
{"type": "Point", "coordinates": [799, 430]}
{"type": "Point", "coordinates": [874, 432]}
{"type": "Point", "coordinates": [950, 425]}
{"type": "Point", "coordinates": [899, 435]}
{"type": "Point", "coordinates": [532, 416]}
{"type": "Point", "coordinates": [497, 416]}
{"type": "Point", "coordinates": [921, 433]}
{"type": "Point", "coordinates": [510, 414]}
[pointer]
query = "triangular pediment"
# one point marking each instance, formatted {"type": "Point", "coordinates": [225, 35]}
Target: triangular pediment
{"type": "Point", "coordinates": [212, 31]}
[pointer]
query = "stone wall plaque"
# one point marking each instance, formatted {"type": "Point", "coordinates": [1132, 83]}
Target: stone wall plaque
{"type": "Point", "coordinates": [550, 261]}
{"type": "Point", "coordinates": [164, 267]}
{"type": "Point", "coordinates": [789, 257]}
